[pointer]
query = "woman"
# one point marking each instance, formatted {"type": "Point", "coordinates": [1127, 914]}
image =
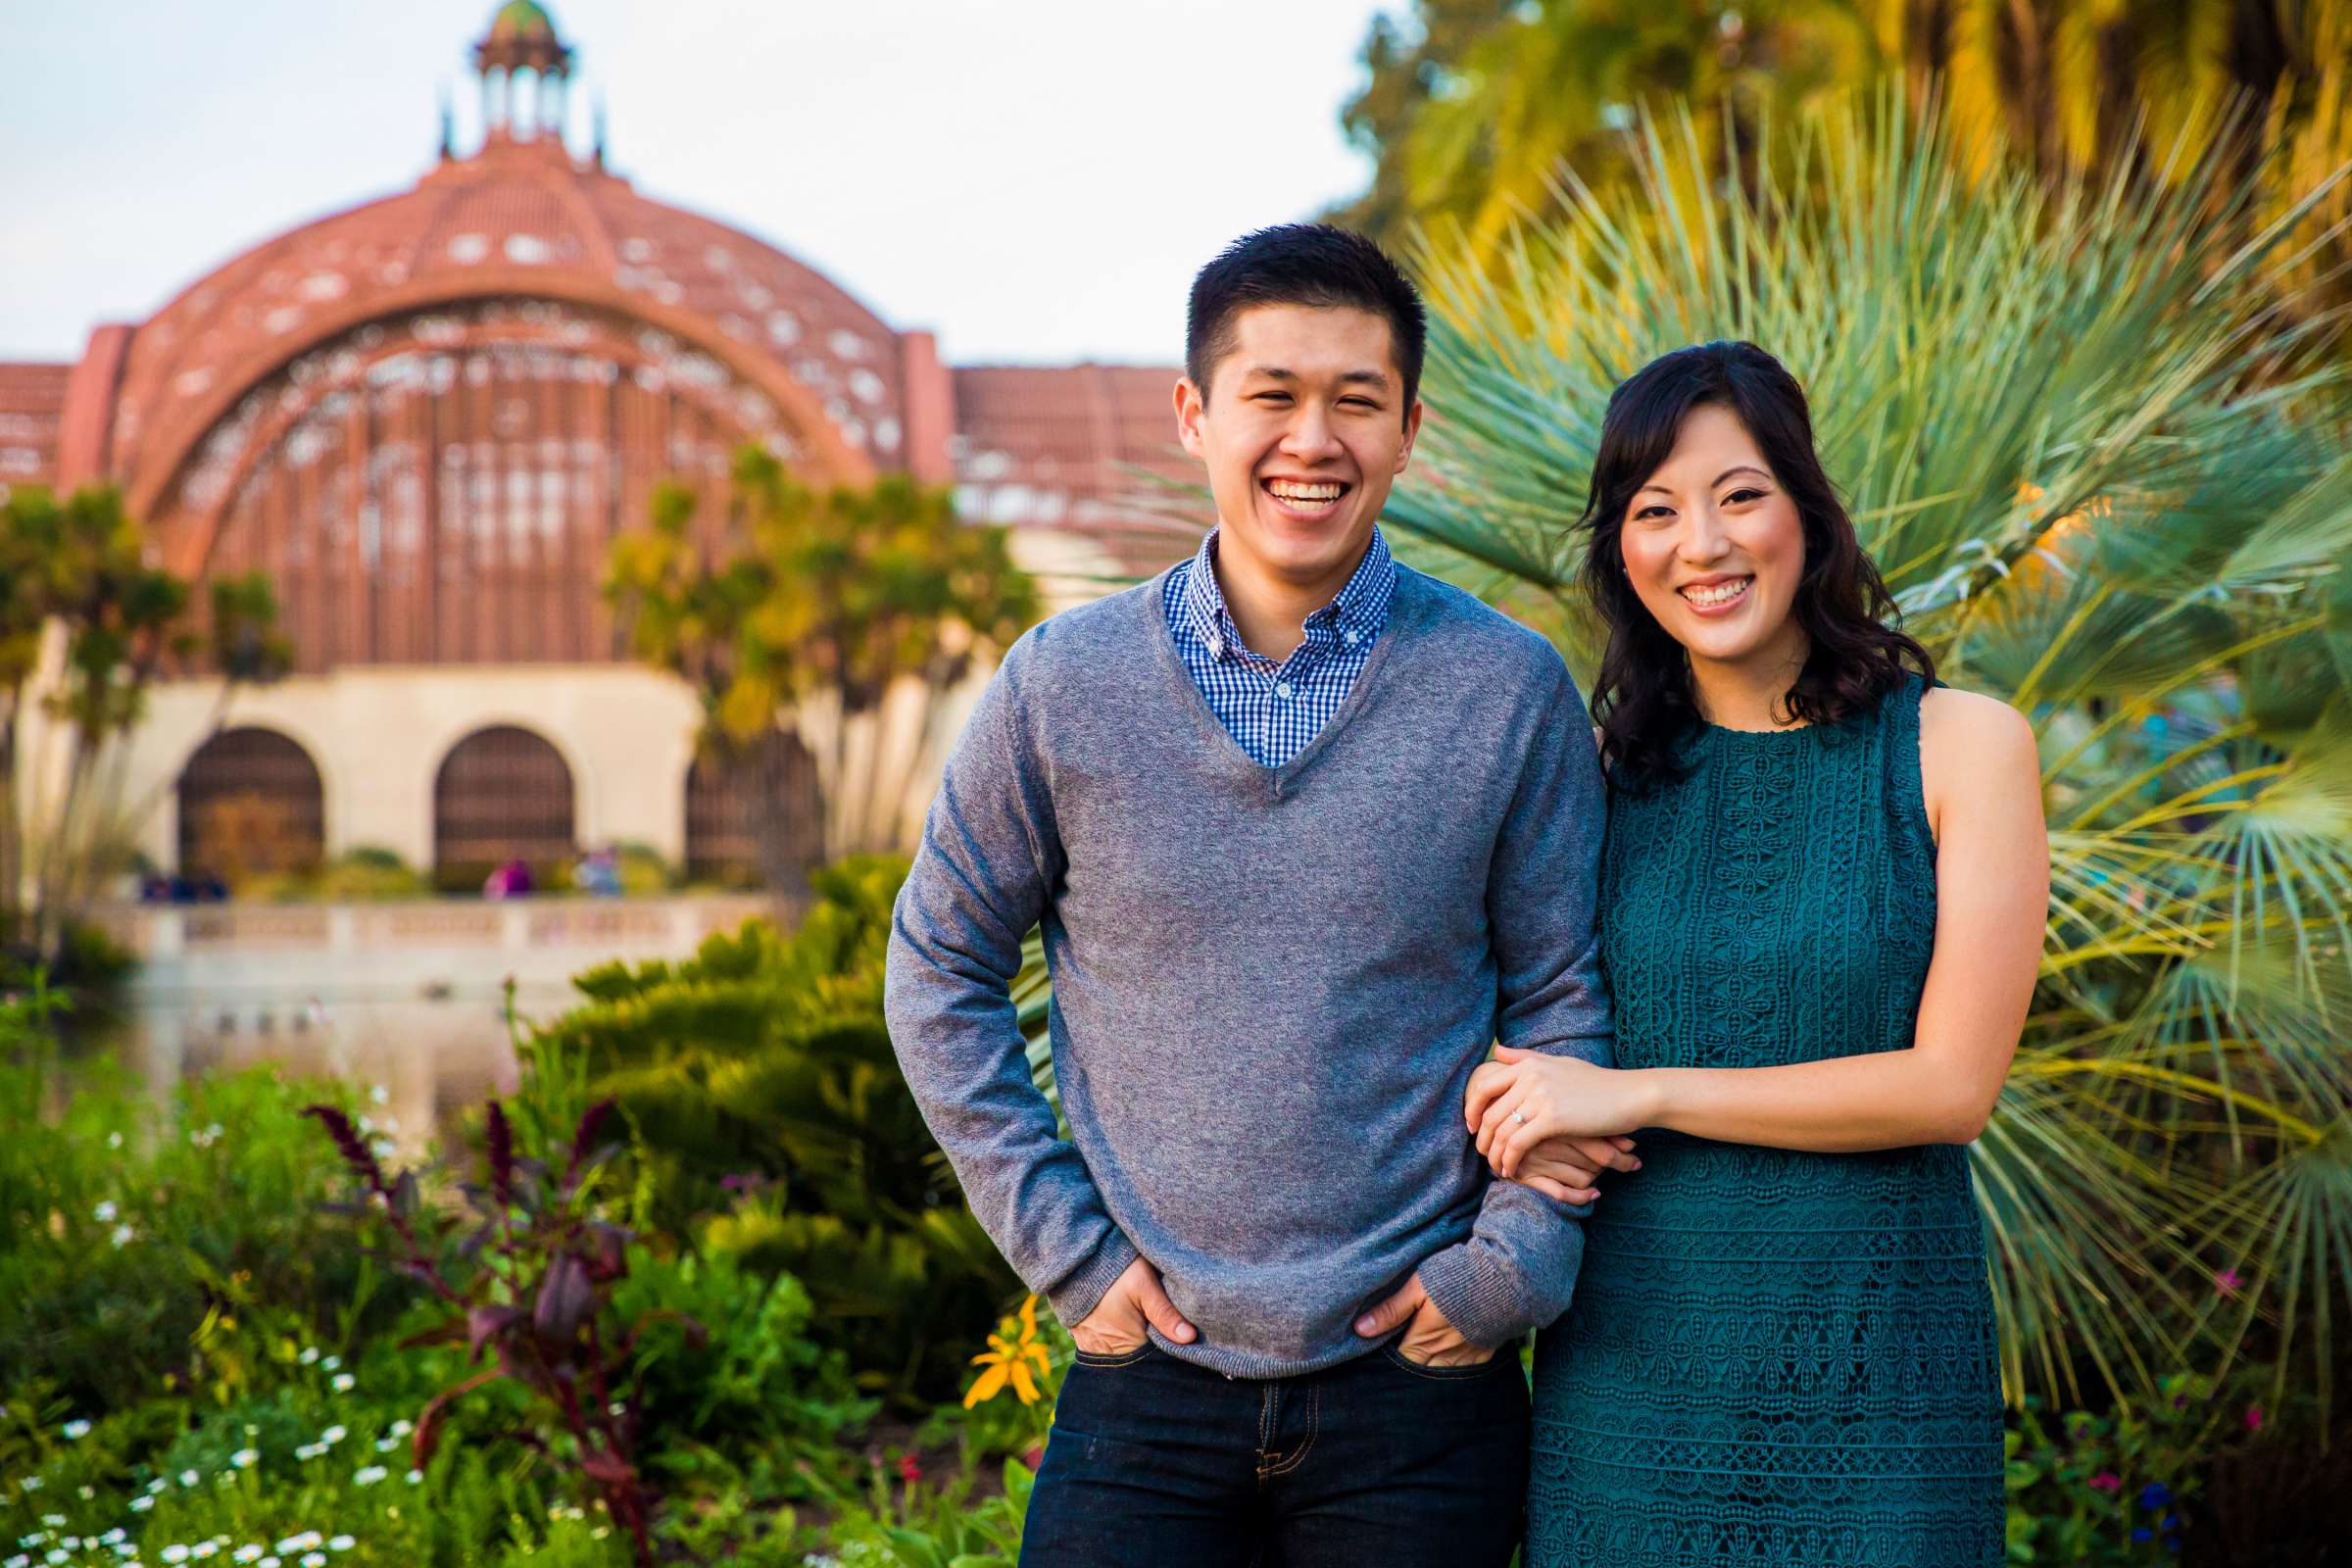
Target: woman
{"type": "Point", "coordinates": [1822, 893]}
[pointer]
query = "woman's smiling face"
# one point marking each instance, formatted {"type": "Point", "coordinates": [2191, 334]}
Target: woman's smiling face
{"type": "Point", "coordinates": [1715, 547]}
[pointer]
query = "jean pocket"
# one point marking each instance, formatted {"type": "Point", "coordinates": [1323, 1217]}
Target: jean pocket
{"type": "Point", "coordinates": [1439, 1374]}
{"type": "Point", "coordinates": [1105, 1363]}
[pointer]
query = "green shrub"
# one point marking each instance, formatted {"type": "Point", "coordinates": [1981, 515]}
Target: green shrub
{"type": "Point", "coordinates": [917, 1526]}
{"type": "Point", "coordinates": [78, 994]}
{"type": "Point", "coordinates": [773, 1125]}
{"type": "Point", "coordinates": [355, 876]}
{"type": "Point", "coordinates": [2122, 1486]}
{"type": "Point", "coordinates": [279, 1445]}
{"type": "Point", "coordinates": [759, 1399]}
{"type": "Point", "coordinates": [531, 1279]}
{"type": "Point", "coordinates": [368, 871]}
{"type": "Point", "coordinates": [121, 1229]}
{"type": "Point", "coordinates": [643, 869]}
{"type": "Point", "coordinates": [266, 1436]}
{"type": "Point", "coordinates": [91, 962]}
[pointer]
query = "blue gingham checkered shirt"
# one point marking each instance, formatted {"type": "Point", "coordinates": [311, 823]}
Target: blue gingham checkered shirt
{"type": "Point", "coordinates": [1274, 710]}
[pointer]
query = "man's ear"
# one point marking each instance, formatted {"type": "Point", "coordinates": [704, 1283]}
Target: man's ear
{"type": "Point", "coordinates": [1412, 430]}
{"type": "Point", "coordinates": [1189, 406]}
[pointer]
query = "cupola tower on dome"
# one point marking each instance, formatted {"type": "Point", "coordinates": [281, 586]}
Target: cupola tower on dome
{"type": "Point", "coordinates": [426, 418]}
{"type": "Point", "coordinates": [525, 67]}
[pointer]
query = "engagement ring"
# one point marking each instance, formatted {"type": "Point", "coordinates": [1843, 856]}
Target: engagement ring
{"type": "Point", "coordinates": [1518, 1118]}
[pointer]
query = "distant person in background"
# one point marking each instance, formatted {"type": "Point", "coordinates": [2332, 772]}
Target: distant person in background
{"type": "Point", "coordinates": [597, 872]}
{"type": "Point", "coordinates": [198, 887]}
{"type": "Point", "coordinates": [512, 880]}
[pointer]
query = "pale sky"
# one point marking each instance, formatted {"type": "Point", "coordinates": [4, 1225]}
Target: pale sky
{"type": "Point", "coordinates": [1034, 180]}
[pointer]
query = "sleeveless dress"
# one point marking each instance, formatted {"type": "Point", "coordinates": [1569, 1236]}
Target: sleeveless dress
{"type": "Point", "coordinates": [1773, 1357]}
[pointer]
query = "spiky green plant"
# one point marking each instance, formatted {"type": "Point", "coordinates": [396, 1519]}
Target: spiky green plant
{"type": "Point", "coordinates": [771, 1123]}
{"type": "Point", "coordinates": [2107, 480]}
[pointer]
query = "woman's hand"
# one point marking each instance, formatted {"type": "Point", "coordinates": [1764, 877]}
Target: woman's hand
{"type": "Point", "coordinates": [1566, 1168]}
{"type": "Point", "coordinates": [1522, 1098]}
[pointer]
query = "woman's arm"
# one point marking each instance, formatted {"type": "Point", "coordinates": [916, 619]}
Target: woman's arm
{"type": "Point", "coordinates": [1982, 785]}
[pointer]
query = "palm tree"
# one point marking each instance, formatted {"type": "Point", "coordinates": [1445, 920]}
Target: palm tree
{"type": "Point", "coordinates": [2087, 84]}
{"type": "Point", "coordinates": [1470, 113]}
{"type": "Point", "coordinates": [2106, 476]}
{"type": "Point", "coordinates": [1469, 121]}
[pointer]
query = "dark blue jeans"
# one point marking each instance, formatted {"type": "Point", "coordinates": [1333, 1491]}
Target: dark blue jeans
{"type": "Point", "coordinates": [1378, 1461]}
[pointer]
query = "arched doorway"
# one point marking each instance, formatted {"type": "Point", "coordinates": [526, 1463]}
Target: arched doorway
{"type": "Point", "coordinates": [502, 794]}
{"type": "Point", "coordinates": [250, 805]}
{"type": "Point", "coordinates": [755, 818]}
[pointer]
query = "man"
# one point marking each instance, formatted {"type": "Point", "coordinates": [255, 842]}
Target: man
{"type": "Point", "coordinates": [1307, 831]}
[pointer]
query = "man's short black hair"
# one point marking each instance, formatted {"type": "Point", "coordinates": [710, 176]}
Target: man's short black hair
{"type": "Point", "coordinates": [1302, 263]}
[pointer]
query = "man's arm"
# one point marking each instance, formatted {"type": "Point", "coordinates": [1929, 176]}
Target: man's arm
{"type": "Point", "coordinates": [1518, 1269]}
{"type": "Point", "coordinates": [984, 871]}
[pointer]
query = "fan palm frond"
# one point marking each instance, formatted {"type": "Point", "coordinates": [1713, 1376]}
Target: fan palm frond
{"type": "Point", "coordinates": [2099, 460]}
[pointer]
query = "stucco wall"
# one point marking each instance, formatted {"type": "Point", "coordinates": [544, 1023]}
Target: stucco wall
{"type": "Point", "coordinates": [378, 734]}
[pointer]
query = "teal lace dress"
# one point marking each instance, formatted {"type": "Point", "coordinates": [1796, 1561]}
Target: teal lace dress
{"type": "Point", "coordinates": [1773, 1357]}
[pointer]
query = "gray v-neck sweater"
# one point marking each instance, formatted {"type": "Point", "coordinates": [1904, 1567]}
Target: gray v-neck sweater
{"type": "Point", "coordinates": [1270, 985]}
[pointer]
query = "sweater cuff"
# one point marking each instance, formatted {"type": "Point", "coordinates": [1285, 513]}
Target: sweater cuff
{"type": "Point", "coordinates": [1083, 1289]}
{"type": "Point", "coordinates": [1484, 1302]}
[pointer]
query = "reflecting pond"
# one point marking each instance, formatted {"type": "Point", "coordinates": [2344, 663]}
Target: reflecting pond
{"type": "Point", "coordinates": [410, 996]}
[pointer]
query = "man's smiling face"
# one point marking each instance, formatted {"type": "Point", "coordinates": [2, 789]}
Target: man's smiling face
{"type": "Point", "coordinates": [1303, 428]}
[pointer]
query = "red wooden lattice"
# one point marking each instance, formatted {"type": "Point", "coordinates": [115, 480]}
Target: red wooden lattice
{"type": "Point", "coordinates": [502, 793]}
{"type": "Point", "coordinates": [726, 807]}
{"type": "Point", "coordinates": [250, 800]}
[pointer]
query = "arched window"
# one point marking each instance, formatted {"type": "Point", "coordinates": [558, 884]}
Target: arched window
{"type": "Point", "coordinates": [445, 487]}
{"type": "Point", "coordinates": [753, 817]}
{"type": "Point", "coordinates": [503, 794]}
{"type": "Point", "coordinates": [250, 803]}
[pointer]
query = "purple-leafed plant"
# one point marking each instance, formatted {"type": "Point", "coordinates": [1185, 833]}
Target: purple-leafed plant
{"type": "Point", "coordinates": [530, 1281]}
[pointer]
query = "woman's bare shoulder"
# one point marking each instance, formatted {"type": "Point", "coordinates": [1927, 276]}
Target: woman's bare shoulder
{"type": "Point", "coordinates": [1953, 719]}
{"type": "Point", "coordinates": [1971, 746]}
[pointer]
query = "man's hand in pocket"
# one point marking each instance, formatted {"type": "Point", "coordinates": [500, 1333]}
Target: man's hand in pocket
{"type": "Point", "coordinates": [1115, 1327]}
{"type": "Point", "coordinates": [1428, 1338]}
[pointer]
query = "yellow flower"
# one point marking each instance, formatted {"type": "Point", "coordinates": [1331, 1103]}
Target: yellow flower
{"type": "Point", "coordinates": [1010, 1351]}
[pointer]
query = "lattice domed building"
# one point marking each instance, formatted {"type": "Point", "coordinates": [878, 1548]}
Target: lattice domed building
{"type": "Point", "coordinates": [425, 417]}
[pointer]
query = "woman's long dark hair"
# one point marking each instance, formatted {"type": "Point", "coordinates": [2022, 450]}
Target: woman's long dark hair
{"type": "Point", "coordinates": [1642, 698]}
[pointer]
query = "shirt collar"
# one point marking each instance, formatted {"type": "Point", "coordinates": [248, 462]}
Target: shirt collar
{"type": "Point", "coordinates": [1361, 605]}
